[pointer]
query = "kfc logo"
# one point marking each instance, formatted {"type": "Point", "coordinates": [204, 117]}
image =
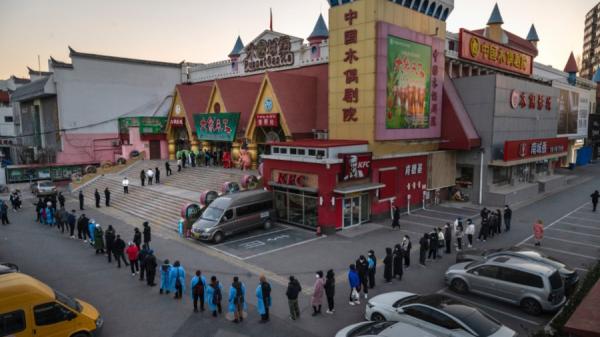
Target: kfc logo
{"type": "Point", "coordinates": [291, 179]}
{"type": "Point", "coordinates": [357, 166]}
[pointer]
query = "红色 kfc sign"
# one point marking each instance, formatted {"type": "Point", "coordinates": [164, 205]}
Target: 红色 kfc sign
{"type": "Point", "coordinates": [295, 179]}
{"type": "Point", "coordinates": [528, 148]}
{"type": "Point", "coordinates": [356, 166]}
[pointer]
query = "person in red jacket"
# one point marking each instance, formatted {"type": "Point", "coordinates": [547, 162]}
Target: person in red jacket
{"type": "Point", "coordinates": [132, 253]}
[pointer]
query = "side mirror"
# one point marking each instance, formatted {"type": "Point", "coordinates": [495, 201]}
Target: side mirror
{"type": "Point", "coordinates": [400, 310]}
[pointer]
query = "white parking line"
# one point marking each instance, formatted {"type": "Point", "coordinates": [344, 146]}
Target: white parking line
{"type": "Point", "coordinates": [570, 241]}
{"type": "Point", "coordinates": [554, 223]}
{"type": "Point", "coordinates": [282, 248]}
{"type": "Point", "coordinates": [581, 226]}
{"type": "Point", "coordinates": [571, 232]}
{"type": "Point", "coordinates": [251, 237]}
{"type": "Point", "coordinates": [583, 219]}
{"type": "Point", "coordinates": [561, 251]}
{"type": "Point", "coordinates": [489, 308]}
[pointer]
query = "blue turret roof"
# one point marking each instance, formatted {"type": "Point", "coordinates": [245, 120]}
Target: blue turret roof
{"type": "Point", "coordinates": [532, 35]}
{"type": "Point", "coordinates": [237, 49]}
{"type": "Point", "coordinates": [596, 77]}
{"type": "Point", "coordinates": [495, 17]}
{"type": "Point", "coordinates": [320, 30]}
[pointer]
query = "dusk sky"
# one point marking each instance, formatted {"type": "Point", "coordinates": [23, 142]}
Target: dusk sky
{"type": "Point", "coordinates": [205, 31]}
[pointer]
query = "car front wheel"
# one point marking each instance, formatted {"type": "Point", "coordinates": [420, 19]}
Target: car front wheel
{"type": "Point", "coordinates": [377, 317]}
{"type": "Point", "coordinates": [531, 306]}
{"type": "Point", "coordinates": [218, 238]}
{"type": "Point", "coordinates": [459, 286]}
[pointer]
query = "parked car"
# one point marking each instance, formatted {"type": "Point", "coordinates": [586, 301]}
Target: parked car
{"type": "Point", "coordinates": [7, 267]}
{"type": "Point", "coordinates": [383, 329]}
{"type": "Point", "coordinates": [533, 286]}
{"type": "Point", "coordinates": [569, 275]}
{"type": "Point", "coordinates": [43, 188]}
{"type": "Point", "coordinates": [233, 214]}
{"type": "Point", "coordinates": [437, 314]}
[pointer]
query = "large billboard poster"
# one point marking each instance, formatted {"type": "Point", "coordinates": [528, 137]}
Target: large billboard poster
{"type": "Point", "coordinates": [568, 112]}
{"type": "Point", "coordinates": [409, 81]}
{"type": "Point", "coordinates": [408, 84]}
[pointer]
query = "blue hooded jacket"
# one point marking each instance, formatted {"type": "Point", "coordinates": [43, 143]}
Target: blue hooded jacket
{"type": "Point", "coordinates": [353, 279]}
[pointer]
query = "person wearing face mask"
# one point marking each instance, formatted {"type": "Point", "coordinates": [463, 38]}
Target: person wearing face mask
{"type": "Point", "coordinates": [406, 246]}
{"type": "Point", "coordinates": [318, 290]}
{"type": "Point", "coordinates": [362, 268]}
{"type": "Point", "coordinates": [372, 263]}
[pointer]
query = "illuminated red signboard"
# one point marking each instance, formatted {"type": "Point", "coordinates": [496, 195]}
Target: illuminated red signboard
{"type": "Point", "coordinates": [529, 148]}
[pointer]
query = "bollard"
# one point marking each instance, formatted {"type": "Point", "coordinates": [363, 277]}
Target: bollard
{"type": "Point", "coordinates": [180, 227]}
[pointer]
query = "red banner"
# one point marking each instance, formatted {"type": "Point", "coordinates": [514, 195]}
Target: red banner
{"type": "Point", "coordinates": [267, 120]}
{"type": "Point", "coordinates": [176, 121]}
{"type": "Point", "coordinates": [479, 49]}
{"type": "Point", "coordinates": [529, 148]}
{"type": "Point", "coordinates": [356, 166]}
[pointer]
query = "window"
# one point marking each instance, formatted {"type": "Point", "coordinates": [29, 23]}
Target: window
{"type": "Point", "coordinates": [312, 152]}
{"type": "Point", "coordinates": [500, 175]}
{"type": "Point", "coordinates": [431, 316]}
{"type": "Point", "coordinates": [12, 322]}
{"type": "Point", "coordinates": [555, 280]}
{"type": "Point", "coordinates": [50, 313]}
{"type": "Point", "coordinates": [8, 119]}
{"type": "Point", "coordinates": [486, 271]}
{"type": "Point", "coordinates": [254, 208]}
{"type": "Point", "coordinates": [520, 277]}
{"type": "Point", "coordinates": [275, 149]}
{"type": "Point", "coordinates": [293, 150]}
{"type": "Point", "coordinates": [228, 214]}
{"type": "Point", "coordinates": [283, 150]}
{"type": "Point", "coordinates": [320, 153]}
{"type": "Point", "coordinates": [301, 152]}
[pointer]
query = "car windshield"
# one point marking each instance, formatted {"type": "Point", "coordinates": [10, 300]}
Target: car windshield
{"type": "Point", "coordinates": [555, 280]}
{"type": "Point", "coordinates": [481, 323]}
{"type": "Point", "coordinates": [46, 184]}
{"type": "Point", "coordinates": [212, 214]}
{"type": "Point", "coordinates": [373, 328]}
{"type": "Point", "coordinates": [67, 300]}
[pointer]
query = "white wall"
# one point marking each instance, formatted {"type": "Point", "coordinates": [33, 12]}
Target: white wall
{"type": "Point", "coordinates": [6, 129]}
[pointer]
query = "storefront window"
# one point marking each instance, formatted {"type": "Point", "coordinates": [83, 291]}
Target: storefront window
{"type": "Point", "coordinates": [501, 175]}
{"type": "Point", "coordinates": [365, 205]}
{"type": "Point", "coordinates": [296, 207]}
{"type": "Point", "coordinates": [542, 167]}
{"type": "Point", "coordinates": [522, 173]}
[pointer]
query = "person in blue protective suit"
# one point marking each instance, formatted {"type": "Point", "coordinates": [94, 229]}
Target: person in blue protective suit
{"type": "Point", "coordinates": [49, 215]}
{"type": "Point", "coordinates": [237, 300]}
{"type": "Point", "coordinates": [177, 279]}
{"type": "Point", "coordinates": [214, 295]}
{"type": "Point", "coordinates": [197, 289]}
{"type": "Point", "coordinates": [165, 270]}
{"type": "Point", "coordinates": [263, 296]}
{"type": "Point", "coordinates": [91, 230]}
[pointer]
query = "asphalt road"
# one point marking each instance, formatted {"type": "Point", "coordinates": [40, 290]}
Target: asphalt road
{"type": "Point", "coordinates": [133, 309]}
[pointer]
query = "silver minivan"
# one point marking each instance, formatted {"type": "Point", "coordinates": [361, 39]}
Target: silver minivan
{"type": "Point", "coordinates": [234, 213]}
{"type": "Point", "coordinates": [533, 286]}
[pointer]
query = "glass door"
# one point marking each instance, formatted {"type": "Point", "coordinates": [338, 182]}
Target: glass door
{"type": "Point", "coordinates": [351, 211]}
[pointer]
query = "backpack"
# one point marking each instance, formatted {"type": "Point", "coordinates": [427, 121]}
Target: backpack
{"type": "Point", "coordinates": [199, 287]}
{"type": "Point", "coordinates": [239, 296]}
{"type": "Point", "coordinates": [217, 294]}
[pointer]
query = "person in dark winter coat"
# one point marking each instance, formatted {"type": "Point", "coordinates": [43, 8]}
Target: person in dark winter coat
{"type": "Point", "coordinates": [362, 268]}
{"type": "Point", "coordinates": [156, 175]}
{"type": "Point", "coordinates": [396, 217]}
{"type": "Point", "coordinates": [150, 265]}
{"type": "Point", "coordinates": [142, 260]}
{"type": "Point", "coordinates": [372, 261]}
{"type": "Point", "coordinates": [99, 239]}
{"type": "Point", "coordinates": [448, 237]}
{"type": "Point", "coordinates": [143, 177]}
{"type": "Point", "coordinates": [168, 168]}
{"type": "Point", "coordinates": [71, 221]}
{"type": "Point", "coordinates": [147, 233]}
{"type": "Point", "coordinates": [406, 246]}
{"type": "Point", "coordinates": [433, 245]}
{"type": "Point", "coordinates": [61, 199]}
{"type": "Point", "coordinates": [38, 209]}
{"type": "Point", "coordinates": [423, 247]}
{"type": "Point", "coordinates": [137, 237]}
{"type": "Point", "coordinates": [119, 251]}
{"type": "Point", "coordinates": [595, 196]}
{"type": "Point", "coordinates": [109, 238]}
{"type": "Point", "coordinates": [388, 261]}
{"type": "Point", "coordinates": [498, 221]}
{"type": "Point", "coordinates": [81, 200]}
{"type": "Point", "coordinates": [483, 231]}
{"type": "Point", "coordinates": [292, 292]}
{"type": "Point", "coordinates": [107, 197]}
{"type": "Point", "coordinates": [330, 291]}
{"type": "Point", "coordinates": [508, 217]}
{"type": "Point", "coordinates": [97, 198]}
{"type": "Point", "coordinates": [398, 272]}
{"type": "Point", "coordinates": [82, 227]}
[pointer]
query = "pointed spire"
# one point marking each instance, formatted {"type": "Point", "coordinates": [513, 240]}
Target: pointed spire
{"type": "Point", "coordinates": [495, 18]}
{"type": "Point", "coordinates": [532, 36]}
{"type": "Point", "coordinates": [237, 49]}
{"type": "Point", "coordinates": [571, 66]}
{"type": "Point", "coordinates": [320, 32]}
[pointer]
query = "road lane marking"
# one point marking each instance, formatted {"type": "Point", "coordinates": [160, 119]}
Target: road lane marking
{"type": "Point", "coordinates": [582, 226]}
{"type": "Point", "coordinates": [282, 248]}
{"type": "Point", "coordinates": [554, 223]}
{"type": "Point", "coordinates": [461, 298]}
{"type": "Point", "coordinates": [250, 237]}
{"type": "Point", "coordinates": [571, 232]}
{"type": "Point", "coordinates": [584, 219]}
{"type": "Point", "coordinates": [561, 251]}
{"type": "Point", "coordinates": [570, 241]}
